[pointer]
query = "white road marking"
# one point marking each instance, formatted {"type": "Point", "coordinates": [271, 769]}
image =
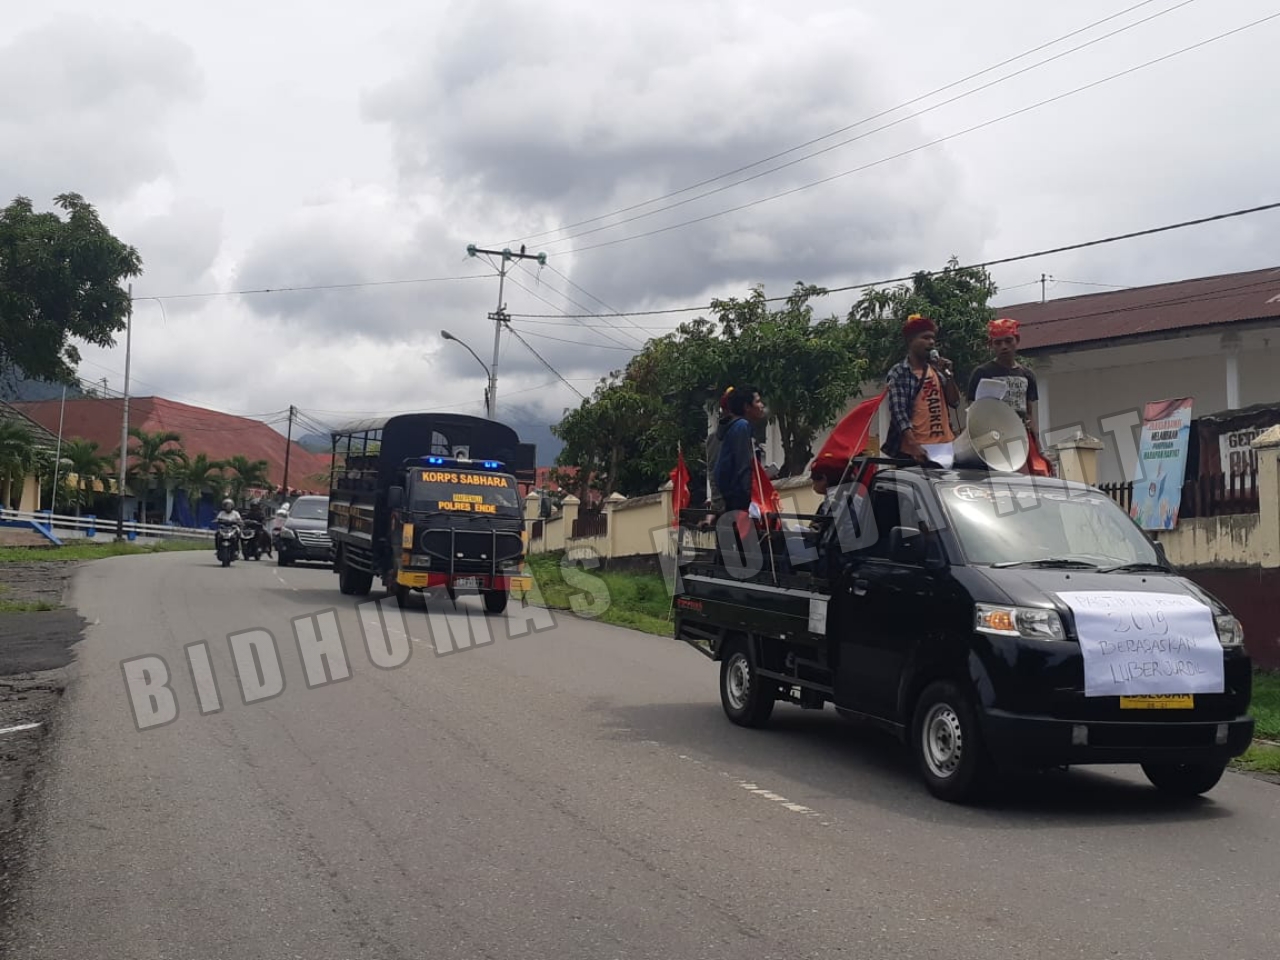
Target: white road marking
{"type": "Point", "coordinates": [283, 580]}
{"type": "Point", "coordinates": [19, 728]}
{"type": "Point", "coordinates": [761, 792]}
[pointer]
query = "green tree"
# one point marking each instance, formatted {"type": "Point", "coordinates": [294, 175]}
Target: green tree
{"type": "Point", "coordinates": [87, 465]}
{"type": "Point", "coordinates": [155, 462]}
{"type": "Point", "coordinates": [59, 281]}
{"type": "Point", "coordinates": [199, 475]}
{"type": "Point", "coordinates": [249, 473]}
{"type": "Point", "coordinates": [602, 432]}
{"type": "Point", "coordinates": [807, 369]}
{"type": "Point", "coordinates": [956, 297]}
{"type": "Point", "coordinates": [18, 458]}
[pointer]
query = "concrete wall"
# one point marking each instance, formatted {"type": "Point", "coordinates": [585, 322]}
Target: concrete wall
{"type": "Point", "coordinates": [1214, 542]}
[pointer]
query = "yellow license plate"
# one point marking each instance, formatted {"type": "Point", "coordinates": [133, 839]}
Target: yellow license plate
{"type": "Point", "coordinates": [1162, 701]}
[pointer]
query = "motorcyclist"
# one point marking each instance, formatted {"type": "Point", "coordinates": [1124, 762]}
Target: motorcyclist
{"type": "Point", "coordinates": [257, 514]}
{"type": "Point", "coordinates": [229, 513]}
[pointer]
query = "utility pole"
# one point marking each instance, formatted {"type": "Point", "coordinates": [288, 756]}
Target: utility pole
{"type": "Point", "coordinates": [124, 421]}
{"type": "Point", "coordinates": [499, 316]}
{"type": "Point", "coordinates": [57, 457]}
{"type": "Point", "coordinates": [1043, 279]}
{"type": "Point", "coordinates": [288, 443]}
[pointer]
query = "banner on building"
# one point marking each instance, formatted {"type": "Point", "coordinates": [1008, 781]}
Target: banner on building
{"type": "Point", "coordinates": [1162, 463]}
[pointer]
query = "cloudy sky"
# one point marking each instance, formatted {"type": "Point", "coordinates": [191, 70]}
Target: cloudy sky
{"type": "Point", "coordinates": [243, 146]}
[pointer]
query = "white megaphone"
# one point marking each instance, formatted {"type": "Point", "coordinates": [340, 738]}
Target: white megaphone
{"type": "Point", "coordinates": [995, 438]}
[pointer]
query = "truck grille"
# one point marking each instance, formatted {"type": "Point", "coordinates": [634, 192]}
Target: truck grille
{"type": "Point", "coordinates": [471, 546]}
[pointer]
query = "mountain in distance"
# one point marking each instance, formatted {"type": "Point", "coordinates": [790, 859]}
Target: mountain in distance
{"type": "Point", "coordinates": [16, 387]}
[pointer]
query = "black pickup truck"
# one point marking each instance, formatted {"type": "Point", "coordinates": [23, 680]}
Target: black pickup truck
{"type": "Point", "coordinates": [989, 620]}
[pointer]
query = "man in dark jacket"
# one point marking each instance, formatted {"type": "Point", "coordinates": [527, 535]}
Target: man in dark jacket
{"type": "Point", "coordinates": [737, 449]}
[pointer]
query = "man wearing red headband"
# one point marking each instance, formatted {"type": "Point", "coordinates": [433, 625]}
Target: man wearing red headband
{"type": "Point", "coordinates": [922, 392]}
{"type": "Point", "coordinates": [1020, 390]}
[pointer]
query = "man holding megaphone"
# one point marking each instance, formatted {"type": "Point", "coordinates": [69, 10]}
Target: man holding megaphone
{"type": "Point", "coordinates": [922, 393]}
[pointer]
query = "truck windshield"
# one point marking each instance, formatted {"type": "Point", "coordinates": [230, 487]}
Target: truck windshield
{"type": "Point", "coordinates": [460, 491]}
{"type": "Point", "coordinates": [1025, 521]}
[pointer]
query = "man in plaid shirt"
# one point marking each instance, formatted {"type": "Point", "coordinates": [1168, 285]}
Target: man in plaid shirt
{"type": "Point", "coordinates": [922, 393]}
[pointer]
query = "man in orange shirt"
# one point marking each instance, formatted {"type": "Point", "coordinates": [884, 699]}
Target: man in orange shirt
{"type": "Point", "coordinates": [922, 393]}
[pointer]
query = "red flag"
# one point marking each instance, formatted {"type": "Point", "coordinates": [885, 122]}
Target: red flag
{"type": "Point", "coordinates": [679, 488]}
{"type": "Point", "coordinates": [763, 495]}
{"type": "Point", "coordinates": [849, 438]}
{"type": "Point", "coordinates": [1037, 465]}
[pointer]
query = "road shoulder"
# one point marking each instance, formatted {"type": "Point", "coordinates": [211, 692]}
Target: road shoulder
{"type": "Point", "coordinates": [36, 650]}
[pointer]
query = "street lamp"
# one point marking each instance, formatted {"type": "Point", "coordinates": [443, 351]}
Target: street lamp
{"type": "Point", "coordinates": [488, 397]}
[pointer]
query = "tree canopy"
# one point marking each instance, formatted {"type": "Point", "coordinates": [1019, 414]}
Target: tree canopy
{"type": "Point", "coordinates": [807, 367]}
{"type": "Point", "coordinates": [59, 282]}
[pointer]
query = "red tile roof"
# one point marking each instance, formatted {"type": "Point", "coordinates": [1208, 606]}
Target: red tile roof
{"type": "Point", "coordinates": [1203, 302]}
{"type": "Point", "coordinates": [219, 436]}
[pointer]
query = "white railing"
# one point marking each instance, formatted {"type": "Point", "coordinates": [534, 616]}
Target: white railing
{"type": "Point", "coordinates": [83, 527]}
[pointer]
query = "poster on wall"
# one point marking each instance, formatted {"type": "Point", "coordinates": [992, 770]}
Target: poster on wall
{"type": "Point", "coordinates": [1162, 462]}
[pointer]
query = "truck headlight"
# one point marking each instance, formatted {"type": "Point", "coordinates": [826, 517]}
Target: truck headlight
{"type": "Point", "coordinates": [1230, 632]}
{"type": "Point", "coordinates": [1030, 623]}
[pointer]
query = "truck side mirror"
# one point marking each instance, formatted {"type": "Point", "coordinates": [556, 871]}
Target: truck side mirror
{"type": "Point", "coordinates": [395, 498]}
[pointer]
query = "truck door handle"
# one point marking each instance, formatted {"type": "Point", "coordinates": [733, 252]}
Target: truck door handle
{"type": "Point", "coordinates": [859, 588]}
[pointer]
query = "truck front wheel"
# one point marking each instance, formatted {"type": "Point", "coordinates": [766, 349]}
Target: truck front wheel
{"type": "Point", "coordinates": [1185, 779]}
{"type": "Point", "coordinates": [747, 697]}
{"type": "Point", "coordinates": [947, 744]}
{"type": "Point", "coordinates": [353, 581]}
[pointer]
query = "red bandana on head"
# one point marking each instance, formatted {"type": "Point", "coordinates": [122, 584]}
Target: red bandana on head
{"type": "Point", "coordinates": [1004, 327]}
{"type": "Point", "coordinates": [917, 325]}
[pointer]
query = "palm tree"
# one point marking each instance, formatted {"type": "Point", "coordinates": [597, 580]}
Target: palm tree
{"type": "Point", "coordinates": [17, 455]}
{"type": "Point", "coordinates": [88, 466]}
{"type": "Point", "coordinates": [248, 474]}
{"type": "Point", "coordinates": [154, 460]}
{"type": "Point", "coordinates": [200, 475]}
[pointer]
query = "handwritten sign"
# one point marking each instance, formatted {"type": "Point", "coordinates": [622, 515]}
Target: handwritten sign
{"type": "Point", "coordinates": [1137, 644]}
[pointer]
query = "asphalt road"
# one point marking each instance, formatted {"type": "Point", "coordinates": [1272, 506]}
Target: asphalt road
{"type": "Point", "coordinates": [570, 792]}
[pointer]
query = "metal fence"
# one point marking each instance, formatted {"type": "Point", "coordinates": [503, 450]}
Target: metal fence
{"type": "Point", "coordinates": [90, 527]}
{"type": "Point", "coordinates": [1212, 495]}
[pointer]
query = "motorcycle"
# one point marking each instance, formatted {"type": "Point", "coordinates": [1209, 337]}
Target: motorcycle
{"type": "Point", "coordinates": [251, 540]}
{"type": "Point", "coordinates": [227, 542]}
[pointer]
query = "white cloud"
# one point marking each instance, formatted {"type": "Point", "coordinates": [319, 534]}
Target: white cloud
{"type": "Point", "coordinates": [323, 146]}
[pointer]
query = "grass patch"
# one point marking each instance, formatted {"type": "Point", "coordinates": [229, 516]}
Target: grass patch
{"type": "Point", "coordinates": [91, 550]}
{"type": "Point", "coordinates": [25, 606]}
{"type": "Point", "coordinates": [636, 600]}
{"type": "Point", "coordinates": [1260, 758]}
{"type": "Point", "coordinates": [1265, 707]}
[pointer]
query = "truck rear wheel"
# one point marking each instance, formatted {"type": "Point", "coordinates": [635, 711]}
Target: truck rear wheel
{"type": "Point", "coordinates": [495, 601]}
{"type": "Point", "coordinates": [947, 743]}
{"type": "Point", "coordinates": [1185, 779]}
{"type": "Point", "coordinates": [747, 697]}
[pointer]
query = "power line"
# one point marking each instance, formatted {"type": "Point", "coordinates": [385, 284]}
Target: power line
{"type": "Point", "coordinates": [923, 146]}
{"type": "Point", "coordinates": [869, 133]}
{"type": "Point", "coordinates": [837, 132]}
{"type": "Point", "coordinates": [517, 335]}
{"type": "Point", "coordinates": [1086, 283]}
{"type": "Point", "coordinates": [974, 266]}
{"type": "Point", "coordinates": [318, 286]}
{"type": "Point", "coordinates": [599, 329]}
{"type": "Point", "coordinates": [568, 299]}
{"type": "Point", "coordinates": [579, 343]}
